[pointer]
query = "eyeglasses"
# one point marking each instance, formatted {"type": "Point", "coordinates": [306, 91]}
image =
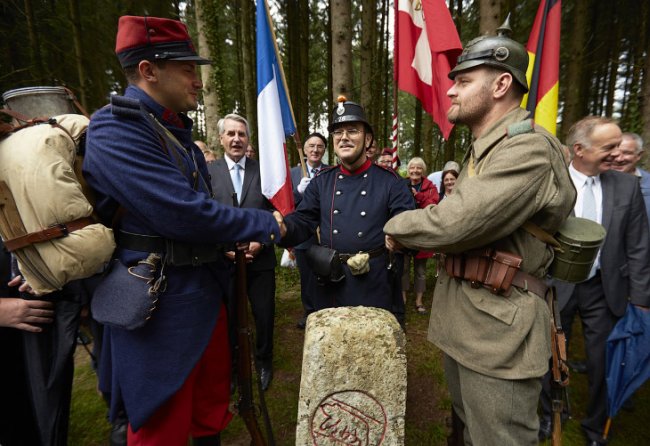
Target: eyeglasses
{"type": "Point", "coordinates": [350, 132]}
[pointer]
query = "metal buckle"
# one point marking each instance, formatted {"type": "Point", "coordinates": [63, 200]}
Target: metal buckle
{"type": "Point", "coordinates": [62, 227]}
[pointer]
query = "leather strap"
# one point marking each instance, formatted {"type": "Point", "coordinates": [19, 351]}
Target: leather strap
{"type": "Point", "coordinates": [44, 235]}
{"type": "Point", "coordinates": [528, 282]}
{"type": "Point", "coordinates": [372, 253]}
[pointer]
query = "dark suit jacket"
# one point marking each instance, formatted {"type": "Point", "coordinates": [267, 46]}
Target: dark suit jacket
{"type": "Point", "coordinates": [625, 254]}
{"type": "Point", "coordinates": [296, 176]}
{"type": "Point", "coordinates": [251, 198]}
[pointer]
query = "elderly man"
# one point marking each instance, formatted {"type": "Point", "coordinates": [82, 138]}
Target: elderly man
{"type": "Point", "coordinates": [236, 173]}
{"type": "Point", "coordinates": [621, 272]}
{"type": "Point", "coordinates": [495, 334]}
{"type": "Point", "coordinates": [172, 376]}
{"type": "Point", "coordinates": [629, 155]}
{"type": "Point", "coordinates": [351, 202]}
{"type": "Point", "coordinates": [314, 149]}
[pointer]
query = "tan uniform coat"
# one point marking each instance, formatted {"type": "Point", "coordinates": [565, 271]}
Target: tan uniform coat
{"type": "Point", "coordinates": [516, 178]}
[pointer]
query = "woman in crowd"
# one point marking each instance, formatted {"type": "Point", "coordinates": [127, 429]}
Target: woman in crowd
{"type": "Point", "coordinates": [425, 194]}
{"type": "Point", "coordinates": [448, 178]}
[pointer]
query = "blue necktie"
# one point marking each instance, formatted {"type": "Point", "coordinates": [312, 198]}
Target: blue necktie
{"type": "Point", "coordinates": [589, 212]}
{"type": "Point", "coordinates": [589, 201]}
{"type": "Point", "coordinates": [236, 181]}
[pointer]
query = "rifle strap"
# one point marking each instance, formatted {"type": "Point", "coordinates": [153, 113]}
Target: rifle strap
{"type": "Point", "coordinates": [265, 411]}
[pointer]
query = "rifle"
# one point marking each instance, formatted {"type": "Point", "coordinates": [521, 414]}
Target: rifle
{"type": "Point", "coordinates": [559, 369]}
{"type": "Point", "coordinates": [245, 405]}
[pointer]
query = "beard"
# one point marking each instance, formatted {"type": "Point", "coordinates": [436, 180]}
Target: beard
{"type": "Point", "coordinates": [470, 110]}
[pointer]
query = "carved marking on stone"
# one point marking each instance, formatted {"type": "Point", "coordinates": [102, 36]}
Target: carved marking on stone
{"type": "Point", "coordinates": [349, 417]}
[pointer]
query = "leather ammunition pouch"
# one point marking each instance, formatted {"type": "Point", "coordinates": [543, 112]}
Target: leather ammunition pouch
{"type": "Point", "coordinates": [325, 263]}
{"type": "Point", "coordinates": [495, 270]}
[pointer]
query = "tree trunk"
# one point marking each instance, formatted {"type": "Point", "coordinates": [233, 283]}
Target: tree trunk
{"type": "Point", "coordinates": [574, 91]}
{"type": "Point", "coordinates": [490, 16]}
{"type": "Point", "coordinates": [211, 102]}
{"type": "Point", "coordinates": [331, 96]}
{"type": "Point", "coordinates": [34, 43]}
{"type": "Point", "coordinates": [247, 46]}
{"type": "Point", "coordinates": [427, 143]}
{"type": "Point", "coordinates": [417, 129]}
{"type": "Point", "coordinates": [341, 48]}
{"type": "Point", "coordinates": [366, 69]}
{"type": "Point", "coordinates": [75, 19]}
{"type": "Point", "coordinates": [644, 91]}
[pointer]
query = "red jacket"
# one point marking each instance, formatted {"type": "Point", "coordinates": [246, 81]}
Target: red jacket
{"type": "Point", "coordinates": [428, 194]}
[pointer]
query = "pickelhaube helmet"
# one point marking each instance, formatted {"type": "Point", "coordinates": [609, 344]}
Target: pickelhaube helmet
{"type": "Point", "coordinates": [498, 51]}
{"type": "Point", "coordinates": [347, 111]}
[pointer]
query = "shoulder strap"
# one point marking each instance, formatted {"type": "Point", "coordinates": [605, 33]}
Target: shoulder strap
{"type": "Point", "coordinates": [541, 234]}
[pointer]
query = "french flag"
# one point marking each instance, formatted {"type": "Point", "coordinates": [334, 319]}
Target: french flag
{"type": "Point", "coordinates": [274, 117]}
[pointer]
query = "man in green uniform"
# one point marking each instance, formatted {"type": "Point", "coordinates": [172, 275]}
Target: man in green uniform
{"type": "Point", "coordinates": [493, 327]}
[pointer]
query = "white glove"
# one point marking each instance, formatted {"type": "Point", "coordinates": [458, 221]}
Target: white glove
{"type": "Point", "coordinates": [303, 185]}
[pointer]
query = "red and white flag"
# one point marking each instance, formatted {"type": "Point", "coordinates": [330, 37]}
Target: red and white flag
{"type": "Point", "coordinates": [426, 49]}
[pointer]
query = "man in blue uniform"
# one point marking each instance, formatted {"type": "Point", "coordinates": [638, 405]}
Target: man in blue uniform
{"type": "Point", "coordinates": [351, 202]}
{"type": "Point", "coordinates": [172, 376]}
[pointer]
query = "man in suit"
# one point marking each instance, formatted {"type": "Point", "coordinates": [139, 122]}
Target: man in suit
{"type": "Point", "coordinates": [629, 155]}
{"type": "Point", "coordinates": [236, 173]}
{"type": "Point", "coordinates": [621, 271]}
{"type": "Point", "coordinates": [314, 149]}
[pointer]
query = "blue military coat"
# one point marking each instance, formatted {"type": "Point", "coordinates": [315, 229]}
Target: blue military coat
{"type": "Point", "coordinates": [160, 195]}
{"type": "Point", "coordinates": [351, 209]}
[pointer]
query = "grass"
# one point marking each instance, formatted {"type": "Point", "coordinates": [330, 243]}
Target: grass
{"type": "Point", "coordinates": [428, 403]}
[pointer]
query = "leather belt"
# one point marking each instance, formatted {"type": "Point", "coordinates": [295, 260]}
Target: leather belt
{"type": "Point", "coordinates": [176, 253]}
{"type": "Point", "coordinates": [528, 282]}
{"type": "Point", "coordinates": [372, 253]}
{"type": "Point", "coordinates": [47, 234]}
{"type": "Point", "coordinates": [140, 242]}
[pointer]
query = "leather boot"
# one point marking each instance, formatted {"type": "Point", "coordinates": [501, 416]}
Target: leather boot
{"type": "Point", "coordinates": [210, 440]}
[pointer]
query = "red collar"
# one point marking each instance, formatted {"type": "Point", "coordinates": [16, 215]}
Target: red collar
{"type": "Point", "coordinates": [172, 118]}
{"type": "Point", "coordinates": [365, 166]}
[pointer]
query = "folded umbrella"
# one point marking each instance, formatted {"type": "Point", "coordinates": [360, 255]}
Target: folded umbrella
{"type": "Point", "coordinates": [628, 359]}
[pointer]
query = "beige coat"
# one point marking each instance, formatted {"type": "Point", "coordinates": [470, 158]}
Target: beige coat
{"type": "Point", "coordinates": [516, 178]}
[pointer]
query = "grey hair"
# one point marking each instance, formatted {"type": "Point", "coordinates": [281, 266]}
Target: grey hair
{"type": "Point", "coordinates": [419, 161]}
{"type": "Point", "coordinates": [235, 117]}
{"type": "Point", "coordinates": [580, 132]}
{"type": "Point", "coordinates": [637, 140]}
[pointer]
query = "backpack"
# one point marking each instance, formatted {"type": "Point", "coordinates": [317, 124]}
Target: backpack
{"type": "Point", "coordinates": [46, 216]}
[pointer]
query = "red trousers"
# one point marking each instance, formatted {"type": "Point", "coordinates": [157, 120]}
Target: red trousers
{"type": "Point", "coordinates": [200, 407]}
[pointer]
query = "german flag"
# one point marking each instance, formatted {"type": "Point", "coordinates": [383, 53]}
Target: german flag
{"type": "Point", "coordinates": [544, 65]}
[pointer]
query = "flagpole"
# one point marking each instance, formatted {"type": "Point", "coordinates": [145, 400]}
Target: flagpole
{"type": "Point", "coordinates": [395, 124]}
{"type": "Point", "coordinates": [296, 136]}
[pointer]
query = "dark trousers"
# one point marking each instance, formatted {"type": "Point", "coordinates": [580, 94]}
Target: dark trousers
{"type": "Point", "coordinates": [588, 300]}
{"type": "Point", "coordinates": [307, 281]}
{"type": "Point", "coordinates": [261, 296]}
{"type": "Point", "coordinates": [49, 359]}
{"type": "Point", "coordinates": [17, 423]}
